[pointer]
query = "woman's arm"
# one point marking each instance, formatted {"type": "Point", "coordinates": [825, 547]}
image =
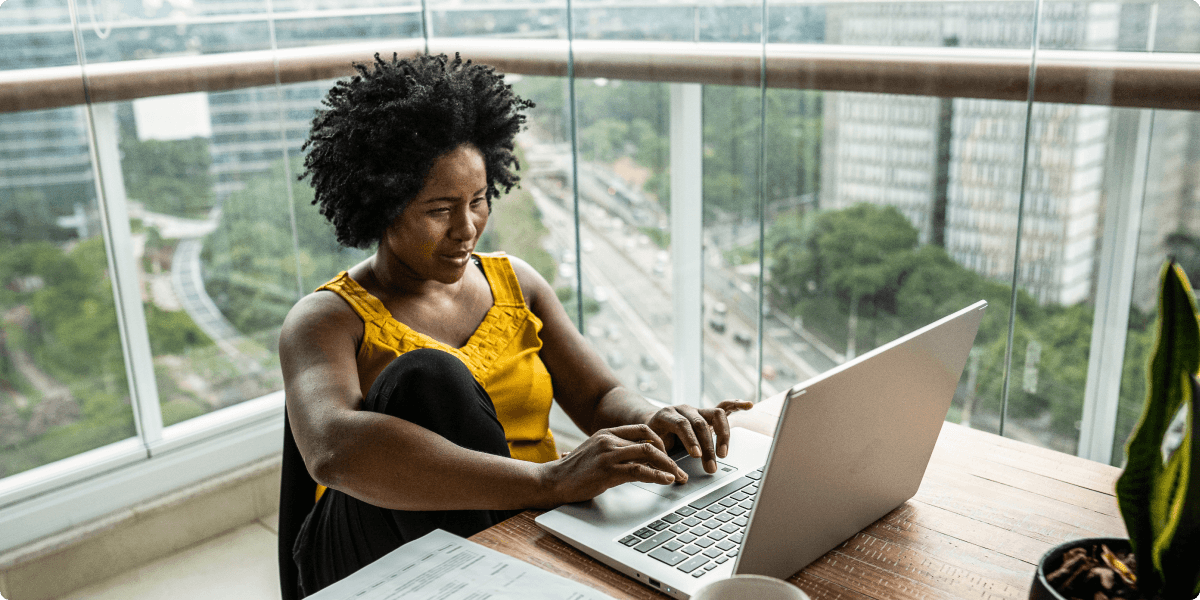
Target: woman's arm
{"type": "Point", "coordinates": [396, 464]}
{"type": "Point", "coordinates": [592, 396]}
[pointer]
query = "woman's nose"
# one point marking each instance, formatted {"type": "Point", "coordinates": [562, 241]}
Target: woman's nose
{"type": "Point", "coordinates": [464, 226]}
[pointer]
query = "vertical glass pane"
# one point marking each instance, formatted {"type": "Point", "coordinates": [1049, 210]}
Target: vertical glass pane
{"type": "Point", "coordinates": [624, 197]}
{"type": "Point", "coordinates": [250, 267]}
{"type": "Point", "coordinates": [623, 173]}
{"type": "Point", "coordinates": [1057, 273]}
{"type": "Point", "coordinates": [1170, 228]}
{"type": "Point", "coordinates": [732, 148]}
{"type": "Point", "coordinates": [732, 142]}
{"type": "Point", "coordinates": [62, 374]}
{"type": "Point", "coordinates": [63, 389]}
{"type": "Point", "coordinates": [179, 166]}
{"type": "Point", "coordinates": [791, 351]}
{"type": "Point", "coordinates": [886, 212]}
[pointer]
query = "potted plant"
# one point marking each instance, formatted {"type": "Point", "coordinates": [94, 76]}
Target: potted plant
{"type": "Point", "coordinates": [1159, 490]}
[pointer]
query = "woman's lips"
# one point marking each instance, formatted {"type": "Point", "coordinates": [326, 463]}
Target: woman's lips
{"type": "Point", "coordinates": [458, 258]}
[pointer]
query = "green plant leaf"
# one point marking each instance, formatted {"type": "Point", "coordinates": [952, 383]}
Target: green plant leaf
{"type": "Point", "coordinates": [1144, 502]}
{"type": "Point", "coordinates": [1177, 548]}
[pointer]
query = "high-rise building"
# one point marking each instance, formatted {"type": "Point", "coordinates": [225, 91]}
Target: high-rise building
{"type": "Point", "coordinates": [886, 149]}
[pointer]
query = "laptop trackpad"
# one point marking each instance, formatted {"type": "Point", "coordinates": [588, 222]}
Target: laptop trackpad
{"type": "Point", "coordinates": [697, 479]}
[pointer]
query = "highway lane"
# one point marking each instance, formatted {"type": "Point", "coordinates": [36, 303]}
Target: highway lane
{"type": "Point", "coordinates": [638, 306]}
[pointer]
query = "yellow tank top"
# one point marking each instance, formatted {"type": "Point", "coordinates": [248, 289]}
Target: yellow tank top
{"type": "Point", "coordinates": [502, 354]}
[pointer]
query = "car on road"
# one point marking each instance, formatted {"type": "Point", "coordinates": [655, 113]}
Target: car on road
{"type": "Point", "coordinates": [717, 324]}
{"type": "Point", "coordinates": [615, 359]}
{"type": "Point", "coordinates": [742, 338]}
{"type": "Point", "coordinates": [720, 308]}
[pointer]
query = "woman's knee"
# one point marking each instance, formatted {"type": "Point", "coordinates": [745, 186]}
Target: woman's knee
{"type": "Point", "coordinates": [420, 376]}
{"type": "Point", "coordinates": [435, 390]}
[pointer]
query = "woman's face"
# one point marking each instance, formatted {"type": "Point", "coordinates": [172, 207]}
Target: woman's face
{"type": "Point", "coordinates": [434, 237]}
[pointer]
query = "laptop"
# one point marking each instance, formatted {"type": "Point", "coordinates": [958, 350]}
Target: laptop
{"type": "Point", "coordinates": [851, 445]}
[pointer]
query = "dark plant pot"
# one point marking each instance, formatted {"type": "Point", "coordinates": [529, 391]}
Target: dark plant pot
{"type": "Point", "coordinates": [1052, 560]}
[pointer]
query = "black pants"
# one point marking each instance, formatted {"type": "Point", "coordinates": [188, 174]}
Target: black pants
{"type": "Point", "coordinates": [432, 389]}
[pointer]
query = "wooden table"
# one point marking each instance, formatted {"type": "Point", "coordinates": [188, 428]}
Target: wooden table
{"type": "Point", "coordinates": [987, 510]}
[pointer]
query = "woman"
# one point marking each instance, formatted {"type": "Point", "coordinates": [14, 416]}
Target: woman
{"type": "Point", "coordinates": [419, 382]}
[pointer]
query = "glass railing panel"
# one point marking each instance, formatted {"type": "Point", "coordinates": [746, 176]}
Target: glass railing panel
{"type": "Point", "coordinates": [886, 246]}
{"type": "Point", "coordinates": [1091, 168]}
{"type": "Point", "coordinates": [792, 159]}
{"type": "Point", "coordinates": [242, 275]}
{"type": "Point", "coordinates": [921, 24]}
{"type": "Point", "coordinates": [63, 389]}
{"type": "Point", "coordinates": [623, 165]}
{"type": "Point", "coordinates": [304, 23]}
{"type": "Point", "coordinates": [732, 212]}
{"type": "Point", "coordinates": [1169, 228]}
{"type": "Point", "coordinates": [36, 34]}
{"type": "Point", "coordinates": [1070, 157]}
{"type": "Point", "coordinates": [182, 159]}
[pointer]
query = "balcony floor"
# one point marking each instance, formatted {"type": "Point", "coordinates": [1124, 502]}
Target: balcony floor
{"type": "Point", "coordinates": [238, 564]}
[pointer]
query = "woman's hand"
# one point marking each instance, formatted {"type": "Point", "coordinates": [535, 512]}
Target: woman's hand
{"type": "Point", "coordinates": [609, 458]}
{"type": "Point", "coordinates": [694, 428]}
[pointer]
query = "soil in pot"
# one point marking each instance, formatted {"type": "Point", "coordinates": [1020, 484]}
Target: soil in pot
{"type": "Point", "coordinates": [1095, 572]}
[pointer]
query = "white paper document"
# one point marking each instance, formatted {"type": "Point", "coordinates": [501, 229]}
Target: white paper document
{"type": "Point", "coordinates": [444, 566]}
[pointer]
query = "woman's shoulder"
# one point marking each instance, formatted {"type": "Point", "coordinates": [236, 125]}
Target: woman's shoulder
{"type": "Point", "coordinates": [320, 315]}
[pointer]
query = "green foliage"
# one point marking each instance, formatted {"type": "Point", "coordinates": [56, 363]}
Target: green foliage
{"type": "Point", "coordinates": [178, 410]}
{"type": "Point", "coordinates": [172, 332]}
{"type": "Point", "coordinates": [107, 418]}
{"type": "Point", "coordinates": [251, 262]}
{"type": "Point", "coordinates": [822, 263]}
{"type": "Point", "coordinates": [1160, 497]}
{"type": "Point", "coordinates": [660, 237]}
{"type": "Point", "coordinates": [732, 140]}
{"type": "Point", "coordinates": [566, 295]}
{"type": "Point", "coordinates": [169, 176]}
{"type": "Point", "coordinates": [25, 215]}
{"type": "Point", "coordinates": [75, 314]}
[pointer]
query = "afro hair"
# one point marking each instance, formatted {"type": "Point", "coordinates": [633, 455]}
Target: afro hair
{"type": "Point", "coordinates": [370, 150]}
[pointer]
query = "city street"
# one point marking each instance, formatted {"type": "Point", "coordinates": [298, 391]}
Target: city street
{"type": "Point", "coordinates": [630, 278]}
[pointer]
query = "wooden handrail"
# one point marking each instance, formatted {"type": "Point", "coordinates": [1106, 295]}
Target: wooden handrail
{"type": "Point", "coordinates": [1126, 79]}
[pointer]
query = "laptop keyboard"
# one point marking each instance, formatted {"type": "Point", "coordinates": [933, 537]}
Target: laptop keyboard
{"type": "Point", "coordinates": [702, 535]}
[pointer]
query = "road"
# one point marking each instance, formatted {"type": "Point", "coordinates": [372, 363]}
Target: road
{"type": "Point", "coordinates": [634, 275]}
{"type": "Point", "coordinates": [636, 317]}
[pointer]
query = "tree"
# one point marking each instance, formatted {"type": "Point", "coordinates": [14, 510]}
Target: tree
{"type": "Point", "coordinates": [857, 254]}
{"type": "Point", "coordinates": [821, 262]}
{"type": "Point", "coordinates": [169, 176]}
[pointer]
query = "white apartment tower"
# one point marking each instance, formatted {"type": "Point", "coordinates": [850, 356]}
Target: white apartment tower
{"type": "Point", "coordinates": [883, 149]}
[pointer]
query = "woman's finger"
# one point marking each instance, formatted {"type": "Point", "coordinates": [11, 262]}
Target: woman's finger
{"type": "Point", "coordinates": [649, 455]}
{"type": "Point", "coordinates": [699, 428]}
{"type": "Point", "coordinates": [679, 424]}
{"type": "Point", "coordinates": [637, 434]}
{"type": "Point", "coordinates": [731, 406]}
{"type": "Point", "coordinates": [720, 424]}
{"type": "Point", "coordinates": [626, 472]}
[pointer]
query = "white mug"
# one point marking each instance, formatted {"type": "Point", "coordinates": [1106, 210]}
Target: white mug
{"type": "Point", "coordinates": [750, 587]}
